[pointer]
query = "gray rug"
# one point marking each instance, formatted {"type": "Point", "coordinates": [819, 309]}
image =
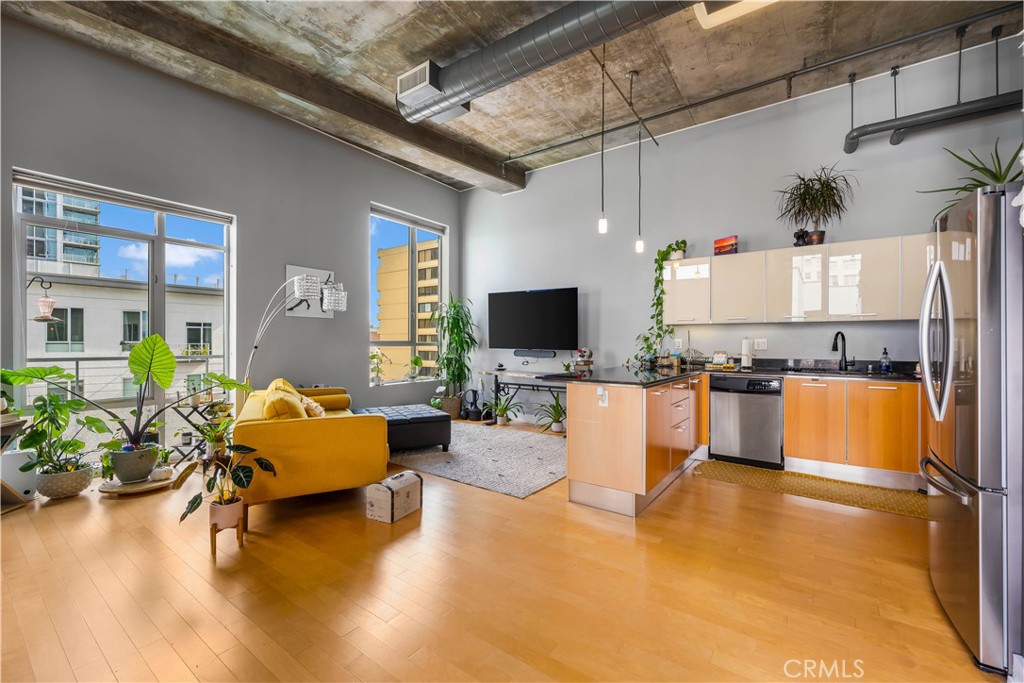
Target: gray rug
{"type": "Point", "coordinates": [507, 461]}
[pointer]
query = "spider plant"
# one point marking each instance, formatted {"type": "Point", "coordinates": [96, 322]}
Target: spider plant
{"type": "Point", "coordinates": [503, 407]}
{"type": "Point", "coordinates": [816, 198]}
{"type": "Point", "coordinates": [552, 414]}
{"type": "Point", "coordinates": [981, 174]}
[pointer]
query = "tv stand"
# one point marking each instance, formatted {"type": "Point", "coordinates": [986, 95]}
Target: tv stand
{"type": "Point", "coordinates": [512, 381]}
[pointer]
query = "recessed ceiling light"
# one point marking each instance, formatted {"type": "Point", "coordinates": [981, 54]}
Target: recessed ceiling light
{"type": "Point", "coordinates": [715, 13]}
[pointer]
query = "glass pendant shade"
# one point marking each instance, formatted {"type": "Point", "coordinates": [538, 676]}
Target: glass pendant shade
{"type": "Point", "coordinates": [307, 287]}
{"type": "Point", "coordinates": [639, 246]}
{"type": "Point", "coordinates": [602, 226]}
{"type": "Point", "coordinates": [335, 298]}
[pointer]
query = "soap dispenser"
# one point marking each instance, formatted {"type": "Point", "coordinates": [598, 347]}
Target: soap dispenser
{"type": "Point", "coordinates": [885, 362]}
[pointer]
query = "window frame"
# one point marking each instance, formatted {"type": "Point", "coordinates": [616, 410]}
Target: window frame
{"type": "Point", "coordinates": [205, 337]}
{"type": "Point", "coordinates": [68, 324]}
{"type": "Point", "coordinates": [414, 225]}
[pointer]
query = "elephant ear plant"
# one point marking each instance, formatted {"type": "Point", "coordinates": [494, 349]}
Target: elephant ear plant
{"type": "Point", "coordinates": [230, 473]}
{"type": "Point", "coordinates": [150, 362]}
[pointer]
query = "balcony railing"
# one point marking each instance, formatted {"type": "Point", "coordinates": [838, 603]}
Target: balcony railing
{"type": "Point", "coordinates": [85, 238]}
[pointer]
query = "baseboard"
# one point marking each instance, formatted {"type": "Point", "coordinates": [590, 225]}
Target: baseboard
{"type": "Point", "coordinates": [889, 479]}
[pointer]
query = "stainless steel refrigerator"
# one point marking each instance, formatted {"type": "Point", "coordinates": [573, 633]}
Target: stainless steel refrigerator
{"type": "Point", "coordinates": [971, 363]}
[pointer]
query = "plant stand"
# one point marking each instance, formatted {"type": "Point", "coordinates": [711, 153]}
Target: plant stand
{"type": "Point", "coordinates": [214, 530]}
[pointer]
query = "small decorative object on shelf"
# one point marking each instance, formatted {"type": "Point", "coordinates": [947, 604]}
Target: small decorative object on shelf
{"type": "Point", "coordinates": [727, 245]}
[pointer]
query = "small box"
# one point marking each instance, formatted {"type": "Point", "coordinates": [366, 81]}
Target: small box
{"type": "Point", "coordinates": [395, 497]}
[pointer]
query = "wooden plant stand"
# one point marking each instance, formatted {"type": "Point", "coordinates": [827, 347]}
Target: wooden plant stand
{"type": "Point", "coordinates": [239, 534]}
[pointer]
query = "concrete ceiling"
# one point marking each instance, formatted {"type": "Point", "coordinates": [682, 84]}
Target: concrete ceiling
{"type": "Point", "coordinates": [332, 66]}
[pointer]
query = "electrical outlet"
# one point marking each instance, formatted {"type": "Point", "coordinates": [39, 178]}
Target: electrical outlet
{"type": "Point", "coordinates": [679, 343]}
{"type": "Point", "coordinates": [760, 344]}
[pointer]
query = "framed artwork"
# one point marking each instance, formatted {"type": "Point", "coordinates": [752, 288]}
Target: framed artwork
{"type": "Point", "coordinates": [727, 245]}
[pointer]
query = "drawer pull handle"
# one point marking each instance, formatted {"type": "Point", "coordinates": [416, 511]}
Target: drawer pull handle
{"type": "Point", "coordinates": [814, 385]}
{"type": "Point", "coordinates": [659, 393]}
{"type": "Point", "coordinates": [736, 317]}
{"type": "Point", "coordinates": [680, 429]}
{"type": "Point", "coordinates": [686, 320]}
{"type": "Point", "coordinates": [795, 317]}
{"type": "Point", "coordinates": [883, 388]}
{"type": "Point", "coordinates": [862, 315]}
{"type": "Point", "coordinates": [680, 386]}
{"type": "Point", "coordinates": [695, 381]}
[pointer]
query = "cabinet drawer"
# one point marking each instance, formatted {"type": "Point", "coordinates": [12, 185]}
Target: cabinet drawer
{"type": "Point", "coordinates": [680, 391]}
{"type": "Point", "coordinates": [680, 412]}
{"type": "Point", "coordinates": [682, 442]}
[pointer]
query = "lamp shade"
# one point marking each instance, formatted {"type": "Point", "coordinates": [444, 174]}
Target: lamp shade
{"type": "Point", "coordinates": [334, 297]}
{"type": "Point", "coordinates": [307, 286]}
{"type": "Point", "coordinates": [46, 304]}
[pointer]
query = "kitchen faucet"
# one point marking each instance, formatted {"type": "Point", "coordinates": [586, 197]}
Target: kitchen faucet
{"type": "Point", "coordinates": [843, 363]}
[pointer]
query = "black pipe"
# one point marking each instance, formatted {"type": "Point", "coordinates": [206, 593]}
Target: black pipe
{"type": "Point", "coordinates": [995, 12]}
{"type": "Point", "coordinates": [965, 110]}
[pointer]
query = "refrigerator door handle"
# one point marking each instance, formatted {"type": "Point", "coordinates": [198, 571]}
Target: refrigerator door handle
{"type": "Point", "coordinates": [948, 489]}
{"type": "Point", "coordinates": [946, 386]}
{"type": "Point", "coordinates": [924, 347]}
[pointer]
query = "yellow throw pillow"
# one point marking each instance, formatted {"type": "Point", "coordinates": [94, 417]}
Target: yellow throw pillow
{"type": "Point", "coordinates": [313, 409]}
{"type": "Point", "coordinates": [281, 384]}
{"type": "Point", "coordinates": [335, 401]}
{"type": "Point", "coordinates": [280, 405]}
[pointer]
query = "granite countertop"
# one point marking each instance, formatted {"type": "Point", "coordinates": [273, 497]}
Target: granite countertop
{"type": "Point", "coordinates": [632, 376]}
{"type": "Point", "coordinates": [646, 378]}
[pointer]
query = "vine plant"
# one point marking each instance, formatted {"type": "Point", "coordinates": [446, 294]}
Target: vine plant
{"type": "Point", "coordinates": [649, 342]}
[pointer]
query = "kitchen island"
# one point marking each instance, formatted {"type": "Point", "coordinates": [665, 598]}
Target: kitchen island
{"type": "Point", "coordinates": [629, 433]}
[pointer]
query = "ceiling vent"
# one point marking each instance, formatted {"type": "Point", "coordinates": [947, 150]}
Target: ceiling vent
{"type": "Point", "coordinates": [419, 84]}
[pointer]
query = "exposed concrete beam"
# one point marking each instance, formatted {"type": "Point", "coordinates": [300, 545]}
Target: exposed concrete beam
{"type": "Point", "coordinates": [157, 36]}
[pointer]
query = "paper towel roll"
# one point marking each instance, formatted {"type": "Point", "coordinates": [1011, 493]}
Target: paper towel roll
{"type": "Point", "coordinates": [747, 353]}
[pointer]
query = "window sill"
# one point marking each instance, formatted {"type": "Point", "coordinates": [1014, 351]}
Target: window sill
{"type": "Point", "coordinates": [397, 382]}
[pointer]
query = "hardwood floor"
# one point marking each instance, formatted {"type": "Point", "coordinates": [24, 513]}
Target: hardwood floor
{"type": "Point", "coordinates": [713, 582]}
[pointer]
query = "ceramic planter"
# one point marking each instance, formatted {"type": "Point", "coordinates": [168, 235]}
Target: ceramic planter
{"type": "Point", "coordinates": [502, 419]}
{"type": "Point", "coordinates": [558, 427]}
{"type": "Point", "coordinates": [816, 237]}
{"type": "Point", "coordinates": [133, 466]}
{"type": "Point", "coordinates": [226, 516]}
{"type": "Point", "coordinates": [64, 484]}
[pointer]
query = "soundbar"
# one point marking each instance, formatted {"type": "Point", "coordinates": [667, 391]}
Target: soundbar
{"type": "Point", "coordinates": [534, 353]}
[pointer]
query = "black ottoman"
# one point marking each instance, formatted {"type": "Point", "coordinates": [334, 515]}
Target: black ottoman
{"type": "Point", "coordinates": [415, 426]}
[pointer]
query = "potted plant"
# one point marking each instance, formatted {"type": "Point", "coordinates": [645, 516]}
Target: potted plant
{"type": "Point", "coordinates": [163, 469]}
{"type": "Point", "coordinates": [129, 458]}
{"type": "Point", "coordinates": [455, 340]}
{"type": "Point", "coordinates": [815, 199]}
{"type": "Point", "coordinates": [415, 364]}
{"type": "Point", "coordinates": [377, 361]}
{"type": "Point", "coordinates": [59, 461]}
{"type": "Point", "coordinates": [222, 486]}
{"type": "Point", "coordinates": [215, 434]}
{"type": "Point", "coordinates": [980, 174]}
{"type": "Point", "coordinates": [503, 408]}
{"type": "Point", "coordinates": [552, 415]}
{"type": "Point", "coordinates": [649, 342]}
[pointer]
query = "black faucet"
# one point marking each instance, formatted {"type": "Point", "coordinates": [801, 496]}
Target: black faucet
{"type": "Point", "coordinates": [843, 363]}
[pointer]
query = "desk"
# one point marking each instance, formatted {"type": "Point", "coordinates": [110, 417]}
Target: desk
{"type": "Point", "coordinates": [511, 381]}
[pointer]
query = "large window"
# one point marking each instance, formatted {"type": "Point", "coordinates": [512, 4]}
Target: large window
{"type": "Point", "coordinates": [405, 287]}
{"type": "Point", "coordinates": [67, 333]}
{"type": "Point", "coordinates": [99, 252]}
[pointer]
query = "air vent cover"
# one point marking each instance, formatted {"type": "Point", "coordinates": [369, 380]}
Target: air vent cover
{"type": "Point", "coordinates": [418, 84]}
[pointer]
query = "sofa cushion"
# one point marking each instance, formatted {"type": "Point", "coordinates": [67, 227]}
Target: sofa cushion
{"type": "Point", "coordinates": [312, 408]}
{"type": "Point", "coordinates": [334, 401]}
{"type": "Point", "coordinates": [281, 405]}
{"type": "Point", "coordinates": [281, 384]}
{"type": "Point", "coordinates": [411, 414]}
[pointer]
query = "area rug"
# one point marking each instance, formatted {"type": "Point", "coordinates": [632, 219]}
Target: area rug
{"type": "Point", "coordinates": [907, 503]}
{"type": "Point", "coordinates": [507, 461]}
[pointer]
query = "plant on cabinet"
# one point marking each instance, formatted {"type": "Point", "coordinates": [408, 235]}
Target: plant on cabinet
{"type": "Point", "coordinates": [649, 342]}
{"type": "Point", "coordinates": [980, 174]}
{"type": "Point", "coordinates": [815, 199]}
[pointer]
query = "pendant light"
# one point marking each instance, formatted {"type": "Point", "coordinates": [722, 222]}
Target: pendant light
{"type": "Point", "coordinates": [602, 223]}
{"type": "Point", "coordinates": [639, 246]}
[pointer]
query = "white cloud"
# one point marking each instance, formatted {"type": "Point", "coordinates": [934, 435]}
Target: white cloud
{"type": "Point", "coordinates": [177, 255]}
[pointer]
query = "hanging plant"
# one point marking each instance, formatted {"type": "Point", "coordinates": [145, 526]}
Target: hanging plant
{"type": "Point", "coordinates": [649, 342]}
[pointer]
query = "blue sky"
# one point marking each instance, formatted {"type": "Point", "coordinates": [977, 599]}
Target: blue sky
{"type": "Point", "coordinates": [383, 234]}
{"type": "Point", "coordinates": [118, 256]}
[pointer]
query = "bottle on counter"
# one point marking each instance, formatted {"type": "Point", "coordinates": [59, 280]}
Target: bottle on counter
{"type": "Point", "coordinates": [885, 363]}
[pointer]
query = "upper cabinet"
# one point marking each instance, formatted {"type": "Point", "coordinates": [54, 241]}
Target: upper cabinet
{"type": "Point", "coordinates": [795, 284]}
{"type": "Point", "coordinates": [864, 280]}
{"type": "Point", "coordinates": [688, 291]}
{"type": "Point", "coordinates": [737, 288]}
{"type": "Point", "coordinates": [917, 255]}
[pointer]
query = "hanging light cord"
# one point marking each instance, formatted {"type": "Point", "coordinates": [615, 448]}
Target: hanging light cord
{"type": "Point", "coordinates": [604, 54]}
{"type": "Point", "coordinates": [639, 202]}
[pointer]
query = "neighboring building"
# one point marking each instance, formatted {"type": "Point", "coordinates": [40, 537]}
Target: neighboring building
{"type": "Point", "coordinates": [397, 304]}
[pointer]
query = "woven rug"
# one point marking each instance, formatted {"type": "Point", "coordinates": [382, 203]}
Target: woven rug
{"type": "Point", "coordinates": [507, 461]}
{"type": "Point", "coordinates": [908, 503]}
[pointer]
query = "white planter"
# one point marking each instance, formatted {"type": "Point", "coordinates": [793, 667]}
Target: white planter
{"type": "Point", "coordinates": [226, 516]}
{"type": "Point", "coordinates": [502, 420]}
{"type": "Point", "coordinates": [558, 427]}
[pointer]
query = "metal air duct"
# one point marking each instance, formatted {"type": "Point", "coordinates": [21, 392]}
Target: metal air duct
{"type": "Point", "coordinates": [986, 106]}
{"type": "Point", "coordinates": [569, 31]}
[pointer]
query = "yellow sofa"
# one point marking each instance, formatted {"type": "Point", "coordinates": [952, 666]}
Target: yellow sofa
{"type": "Point", "coordinates": [313, 454]}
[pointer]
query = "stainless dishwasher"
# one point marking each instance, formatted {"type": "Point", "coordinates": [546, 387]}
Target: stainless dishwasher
{"type": "Point", "coordinates": [746, 420]}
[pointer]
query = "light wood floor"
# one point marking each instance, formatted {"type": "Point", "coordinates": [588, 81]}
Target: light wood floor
{"type": "Point", "coordinates": [713, 582]}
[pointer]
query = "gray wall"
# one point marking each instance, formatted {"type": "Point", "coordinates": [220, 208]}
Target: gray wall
{"type": "Point", "coordinates": [721, 179]}
{"type": "Point", "coordinates": [300, 198]}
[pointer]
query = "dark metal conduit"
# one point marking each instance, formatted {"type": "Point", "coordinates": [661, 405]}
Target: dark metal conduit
{"type": "Point", "coordinates": [986, 106]}
{"type": "Point", "coordinates": [565, 33]}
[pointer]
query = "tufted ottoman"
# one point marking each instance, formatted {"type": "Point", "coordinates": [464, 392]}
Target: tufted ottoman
{"type": "Point", "coordinates": [414, 426]}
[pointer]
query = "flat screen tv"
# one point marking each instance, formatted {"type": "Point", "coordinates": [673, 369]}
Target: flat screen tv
{"type": "Point", "coordinates": [537, 319]}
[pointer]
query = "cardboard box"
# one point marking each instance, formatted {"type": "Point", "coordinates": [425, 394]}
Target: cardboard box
{"type": "Point", "coordinates": [395, 497]}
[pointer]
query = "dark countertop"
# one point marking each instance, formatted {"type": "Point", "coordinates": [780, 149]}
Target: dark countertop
{"type": "Point", "coordinates": [632, 377]}
{"type": "Point", "coordinates": [644, 379]}
{"type": "Point", "coordinates": [822, 372]}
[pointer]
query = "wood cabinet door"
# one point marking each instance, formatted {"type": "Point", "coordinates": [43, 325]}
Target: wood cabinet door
{"type": "Point", "coordinates": [698, 409]}
{"type": "Point", "coordinates": [864, 280]}
{"type": "Point", "coordinates": [883, 424]}
{"type": "Point", "coordinates": [682, 442]}
{"type": "Point", "coordinates": [917, 255]}
{"type": "Point", "coordinates": [658, 451]}
{"type": "Point", "coordinates": [605, 436]}
{"type": "Point", "coordinates": [814, 419]}
{"type": "Point", "coordinates": [688, 292]}
{"type": "Point", "coordinates": [737, 288]}
{"type": "Point", "coordinates": [794, 284]}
